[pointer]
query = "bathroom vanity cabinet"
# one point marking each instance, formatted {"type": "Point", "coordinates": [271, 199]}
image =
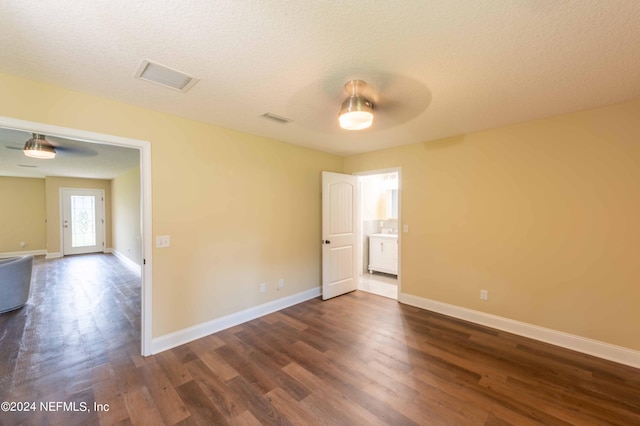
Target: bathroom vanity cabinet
{"type": "Point", "coordinates": [383, 253]}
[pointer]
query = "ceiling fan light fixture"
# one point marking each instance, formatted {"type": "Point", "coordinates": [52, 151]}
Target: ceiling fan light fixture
{"type": "Point", "coordinates": [356, 119]}
{"type": "Point", "coordinates": [38, 147]}
{"type": "Point", "coordinates": [357, 111]}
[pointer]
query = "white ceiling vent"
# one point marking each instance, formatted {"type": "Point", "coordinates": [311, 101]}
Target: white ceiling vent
{"type": "Point", "coordinates": [165, 76]}
{"type": "Point", "coordinates": [276, 118]}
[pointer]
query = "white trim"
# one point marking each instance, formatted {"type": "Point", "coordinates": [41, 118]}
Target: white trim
{"type": "Point", "coordinates": [187, 335]}
{"type": "Point", "coordinates": [53, 255]}
{"type": "Point", "coordinates": [8, 254]}
{"type": "Point", "coordinates": [128, 262]}
{"type": "Point", "coordinates": [147, 236]}
{"type": "Point", "coordinates": [596, 348]}
{"type": "Point", "coordinates": [145, 193]}
{"type": "Point", "coordinates": [378, 172]}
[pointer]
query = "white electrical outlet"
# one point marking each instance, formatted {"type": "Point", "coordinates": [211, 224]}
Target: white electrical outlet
{"type": "Point", "coordinates": [163, 241]}
{"type": "Point", "coordinates": [280, 283]}
{"type": "Point", "coordinates": [405, 228]}
{"type": "Point", "coordinates": [263, 287]}
{"type": "Point", "coordinates": [484, 294]}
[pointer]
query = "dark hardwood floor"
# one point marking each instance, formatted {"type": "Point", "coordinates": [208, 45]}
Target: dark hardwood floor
{"type": "Point", "coordinates": [359, 359]}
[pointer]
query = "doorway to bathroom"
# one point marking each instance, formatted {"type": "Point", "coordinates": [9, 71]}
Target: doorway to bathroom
{"type": "Point", "coordinates": [378, 263]}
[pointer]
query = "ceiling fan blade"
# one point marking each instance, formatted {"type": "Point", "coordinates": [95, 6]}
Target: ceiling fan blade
{"type": "Point", "coordinates": [71, 147]}
{"type": "Point", "coordinates": [76, 151]}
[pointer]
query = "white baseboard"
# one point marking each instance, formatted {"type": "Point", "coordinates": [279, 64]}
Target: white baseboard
{"type": "Point", "coordinates": [187, 335]}
{"type": "Point", "coordinates": [8, 254]}
{"type": "Point", "coordinates": [128, 262]}
{"type": "Point", "coordinates": [596, 348]}
{"type": "Point", "coordinates": [58, 255]}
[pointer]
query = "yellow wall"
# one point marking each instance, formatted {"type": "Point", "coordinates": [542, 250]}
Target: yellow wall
{"type": "Point", "coordinates": [240, 209]}
{"type": "Point", "coordinates": [545, 215]}
{"type": "Point", "coordinates": [125, 200]}
{"type": "Point", "coordinates": [22, 214]}
{"type": "Point", "coordinates": [542, 214]}
{"type": "Point", "coordinates": [53, 185]}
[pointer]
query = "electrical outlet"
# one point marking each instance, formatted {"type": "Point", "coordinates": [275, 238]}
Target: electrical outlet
{"type": "Point", "coordinates": [280, 283]}
{"type": "Point", "coordinates": [263, 287]}
{"type": "Point", "coordinates": [163, 241]}
{"type": "Point", "coordinates": [484, 294]}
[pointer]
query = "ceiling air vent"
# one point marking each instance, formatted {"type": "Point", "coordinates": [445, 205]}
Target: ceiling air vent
{"type": "Point", "coordinates": [165, 76]}
{"type": "Point", "coordinates": [276, 118]}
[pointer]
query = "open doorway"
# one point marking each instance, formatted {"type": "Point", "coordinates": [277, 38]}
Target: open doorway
{"type": "Point", "coordinates": [89, 143]}
{"type": "Point", "coordinates": [378, 264]}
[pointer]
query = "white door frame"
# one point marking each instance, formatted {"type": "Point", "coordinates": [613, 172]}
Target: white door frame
{"type": "Point", "coordinates": [145, 193]}
{"type": "Point", "coordinates": [102, 223]}
{"type": "Point", "coordinates": [400, 226]}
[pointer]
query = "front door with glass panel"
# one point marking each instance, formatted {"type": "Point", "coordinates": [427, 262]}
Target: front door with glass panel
{"type": "Point", "coordinates": [82, 220]}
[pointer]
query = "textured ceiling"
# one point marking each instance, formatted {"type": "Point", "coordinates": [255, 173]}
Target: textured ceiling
{"type": "Point", "coordinates": [436, 68]}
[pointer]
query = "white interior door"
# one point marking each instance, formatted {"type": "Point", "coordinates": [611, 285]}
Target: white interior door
{"type": "Point", "coordinates": [82, 220]}
{"type": "Point", "coordinates": [339, 232]}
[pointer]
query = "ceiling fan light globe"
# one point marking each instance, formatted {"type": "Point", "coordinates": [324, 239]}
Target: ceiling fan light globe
{"type": "Point", "coordinates": [37, 147]}
{"type": "Point", "coordinates": [356, 112]}
{"type": "Point", "coordinates": [40, 155]}
{"type": "Point", "coordinates": [356, 120]}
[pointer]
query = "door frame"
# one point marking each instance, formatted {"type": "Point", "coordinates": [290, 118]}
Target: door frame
{"type": "Point", "coordinates": [360, 253]}
{"type": "Point", "coordinates": [103, 225]}
{"type": "Point", "coordinates": [144, 147]}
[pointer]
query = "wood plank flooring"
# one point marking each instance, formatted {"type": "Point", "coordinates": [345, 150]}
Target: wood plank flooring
{"type": "Point", "coordinates": [359, 359]}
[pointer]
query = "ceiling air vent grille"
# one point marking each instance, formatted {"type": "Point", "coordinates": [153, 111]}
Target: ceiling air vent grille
{"type": "Point", "coordinates": [165, 76]}
{"type": "Point", "coordinates": [276, 118]}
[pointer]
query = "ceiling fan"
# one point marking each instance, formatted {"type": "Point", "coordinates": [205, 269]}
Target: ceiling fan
{"type": "Point", "coordinates": [42, 147]}
{"type": "Point", "coordinates": [356, 112]}
{"type": "Point", "coordinates": [376, 101]}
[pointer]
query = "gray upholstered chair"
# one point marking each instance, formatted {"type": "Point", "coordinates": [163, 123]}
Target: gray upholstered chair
{"type": "Point", "coordinates": [15, 282]}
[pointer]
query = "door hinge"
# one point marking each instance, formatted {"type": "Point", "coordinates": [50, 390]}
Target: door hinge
{"type": "Point", "coordinates": [144, 261]}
